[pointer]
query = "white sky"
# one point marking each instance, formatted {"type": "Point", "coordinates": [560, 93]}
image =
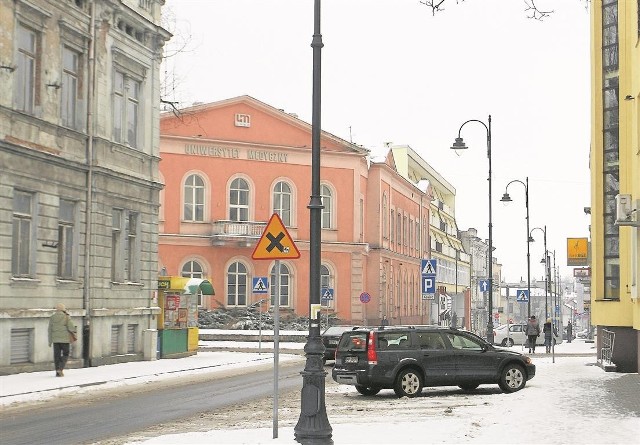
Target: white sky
{"type": "Point", "coordinates": [393, 72]}
{"type": "Point", "coordinates": [565, 403]}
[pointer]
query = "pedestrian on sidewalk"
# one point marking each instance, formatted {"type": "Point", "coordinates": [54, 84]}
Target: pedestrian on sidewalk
{"type": "Point", "coordinates": [548, 335]}
{"type": "Point", "coordinates": [532, 332]}
{"type": "Point", "coordinates": [569, 332]}
{"type": "Point", "coordinates": [62, 332]}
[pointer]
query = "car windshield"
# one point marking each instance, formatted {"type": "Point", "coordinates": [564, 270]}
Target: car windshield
{"type": "Point", "coordinates": [353, 341]}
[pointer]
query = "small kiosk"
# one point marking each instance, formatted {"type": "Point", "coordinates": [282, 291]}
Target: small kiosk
{"type": "Point", "coordinates": [178, 319]}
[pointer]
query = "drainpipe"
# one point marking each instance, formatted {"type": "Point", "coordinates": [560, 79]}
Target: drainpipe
{"type": "Point", "coordinates": [86, 320]}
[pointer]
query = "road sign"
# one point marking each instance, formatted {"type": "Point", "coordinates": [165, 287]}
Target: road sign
{"type": "Point", "coordinates": [260, 285]}
{"type": "Point", "coordinates": [428, 284]}
{"type": "Point", "coordinates": [484, 285]}
{"type": "Point", "coordinates": [429, 267]}
{"type": "Point", "coordinates": [522, 295]}
{"type": "Point", "coordinates": [326, 293]}
{"type": "Point", "coordinates": [275, 242]}
{"type": "Point", "coordinates": [365, 297]}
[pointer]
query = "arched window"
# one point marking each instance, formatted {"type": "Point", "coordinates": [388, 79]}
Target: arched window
{"type": "Point", "coordinates": [327, 202]}
{"type": "Point", "coordinates": [326, 283]}
{"type": "Point", "coordinates": [239, 200]}
{"type": "Point", "coordinates": [282, 202]}
{"type": "Point", "coordinates": [284, 285]}
{"type": "Point", "coordinates": [193, 269]}
{"type": "Point", "coordinates": [194, 198]}
{"type": "Point", "coordinates": [237, 284]}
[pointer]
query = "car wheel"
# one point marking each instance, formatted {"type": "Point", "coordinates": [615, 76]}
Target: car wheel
{"type": "Point", "coordinates": [468, 387]}
{"type": "Point", "coordinates": [367, 390]}
{"type": "Point", "coordinates": [408, 383]}
{"type": "Point", "coordinates": [512, 378]}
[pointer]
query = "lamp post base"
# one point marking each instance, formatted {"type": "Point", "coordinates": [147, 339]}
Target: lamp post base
{"type": "Point", "coordinates": [313, 425]}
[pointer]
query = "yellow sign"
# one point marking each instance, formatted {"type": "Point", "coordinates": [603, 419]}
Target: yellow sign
{"type": "Point", "coordinates": [275, 242]}
{"type": "Point", "coordinates": [577, 252]}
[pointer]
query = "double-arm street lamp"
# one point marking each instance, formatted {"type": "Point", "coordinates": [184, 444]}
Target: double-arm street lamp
{"type": "Point", "coordinates": [460, 145]}
{"type": "Point", "coordinates": [546, 262]}
{"type": "Point", "coordinates": [507, 198]}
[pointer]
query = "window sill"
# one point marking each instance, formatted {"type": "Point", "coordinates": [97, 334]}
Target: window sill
{"type": "Point", "coordinates": [26, 282]}
{"type": "Point", "coordinates": [126, 283]}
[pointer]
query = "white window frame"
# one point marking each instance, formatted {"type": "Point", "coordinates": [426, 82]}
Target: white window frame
{"type": "Point", "coordinates": [234, 286]}
{"type": "Point", "coordinates": [191, 199]}
{"type": "Point", "coordinates": [67, 263]}
{"type": "Point", "coordinates": [70, 87]}
{"type": "Point", "coordinates": [127, 92]}
{"type": "Point", "coordinates": [284, 283]}
{"type": "Point", "coordinates": [282, 201]}
{"type": "Point", "coordinates": [239, 200]}
{"type": "Point", "coordinates": [326, 194]}
{"type": "Point", "coordinates": [27, 69]}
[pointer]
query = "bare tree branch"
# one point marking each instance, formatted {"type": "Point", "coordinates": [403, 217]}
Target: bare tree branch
{"type": "Point", "coordinates": [534, 12]}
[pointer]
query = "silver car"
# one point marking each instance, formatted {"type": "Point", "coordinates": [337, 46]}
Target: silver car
{"type": "Point", "coordinates": [515, 335]}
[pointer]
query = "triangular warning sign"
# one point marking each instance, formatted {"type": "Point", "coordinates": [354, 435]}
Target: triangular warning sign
{"type": "Point", "coordinates": [428, 269]}
{"type": "Point", "coordinates": [275, 242]}
{"type": "Point", "coordinates": [327, 294]}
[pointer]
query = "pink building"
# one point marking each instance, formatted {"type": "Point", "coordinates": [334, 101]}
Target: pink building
{"type": "Point", "coordinates": [229, 165]}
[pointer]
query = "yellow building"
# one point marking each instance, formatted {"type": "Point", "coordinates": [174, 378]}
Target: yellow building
{"type": "Point", "coordinates": [615, 181]}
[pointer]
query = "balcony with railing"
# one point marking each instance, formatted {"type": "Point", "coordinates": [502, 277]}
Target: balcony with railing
{"type": "Point", "coordinates": [245, 233]}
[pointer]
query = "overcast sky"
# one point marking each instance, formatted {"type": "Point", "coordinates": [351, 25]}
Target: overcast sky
{"type": "Point", "coordinates": [393, 72]}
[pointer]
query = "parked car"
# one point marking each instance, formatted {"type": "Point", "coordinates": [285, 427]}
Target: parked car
{"type": "Point", "coordinates": [516, 336]}
{"type": "Point", "coordinates": [407, 358]}
{"type": "Point", "coordinates": [330, 338]}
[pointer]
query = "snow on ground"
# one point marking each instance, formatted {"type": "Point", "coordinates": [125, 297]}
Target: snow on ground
{"type": "Point", "coordinates": [567, 402]}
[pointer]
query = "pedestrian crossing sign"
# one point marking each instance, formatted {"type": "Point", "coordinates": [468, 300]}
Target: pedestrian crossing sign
{"type": "Point", "coordinates": [260, 285]}
{"type": "Point", "coordinates": [429, 267]}
{"type": "Point", "coordinates": [522, 295]}
{"type": "Point", "coordinates": [326, 293]}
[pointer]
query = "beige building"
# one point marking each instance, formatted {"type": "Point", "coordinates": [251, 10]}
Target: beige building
{"type": "Point", "coordinates": [79, 184]}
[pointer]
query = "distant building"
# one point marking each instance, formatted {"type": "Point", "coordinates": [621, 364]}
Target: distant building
{"type": "Point", "coordinates": [615, 181]}
{"type": "Point", "coordinates": [79, 181]}
{"type": "Point", "coordinates": [229, 165]}
{"type": "Point", "coordinates": [453, 261]}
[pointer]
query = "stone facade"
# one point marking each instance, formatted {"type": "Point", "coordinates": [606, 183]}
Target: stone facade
{"type": "Point", "coordinates": [79, 178]}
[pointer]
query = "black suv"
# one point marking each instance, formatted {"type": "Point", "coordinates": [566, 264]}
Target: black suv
{"type": "Point", "coordinates": [330, 338]}
{"type": "Point", "coordinates": [406, 358]}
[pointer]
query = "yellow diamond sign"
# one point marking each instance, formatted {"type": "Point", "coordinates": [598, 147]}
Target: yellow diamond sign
{"type": "Point", "coordinates": [275, 242]}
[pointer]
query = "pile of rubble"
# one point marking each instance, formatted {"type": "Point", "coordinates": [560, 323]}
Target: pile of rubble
{"type": "Point", "coordinates": [251, 318]}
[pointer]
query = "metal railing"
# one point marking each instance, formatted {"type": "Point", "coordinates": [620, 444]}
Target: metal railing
{"type": "Point", "coordinates": [606, 352]}
{"type": "Point", "coordinates": [238, 228]}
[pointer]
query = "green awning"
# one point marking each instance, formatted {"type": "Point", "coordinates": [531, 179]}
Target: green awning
{"type": "Point", "coordinates": [195, 285]}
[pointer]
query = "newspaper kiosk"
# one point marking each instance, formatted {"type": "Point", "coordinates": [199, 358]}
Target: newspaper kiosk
{"type": "Point", "coordinates": [178, 319]}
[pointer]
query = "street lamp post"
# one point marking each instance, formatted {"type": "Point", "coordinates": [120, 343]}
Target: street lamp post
{"type": "Point", "coordinates": [313, 424]}
{"type": "Point", "coordinates": [507, 198]}
{"type": "Point", "coordinates": [460, 145]}
{"type": "Point", "coordinates": [545, 260]}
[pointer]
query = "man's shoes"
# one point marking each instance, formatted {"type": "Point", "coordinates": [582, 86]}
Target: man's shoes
{"type": "Point", "coordinates": [61, 373]}
{"type": "Point", "coordinates": [58, 373]}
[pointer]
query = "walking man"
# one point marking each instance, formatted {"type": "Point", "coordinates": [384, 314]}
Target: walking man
{"type": "Point", "coordinates": [532, 332]}
{"type": "Point", "coordinates": [61, 328]}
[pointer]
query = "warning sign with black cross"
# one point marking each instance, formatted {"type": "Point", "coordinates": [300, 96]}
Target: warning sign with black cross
{"type": "Point", "coordinates": [275, 242]}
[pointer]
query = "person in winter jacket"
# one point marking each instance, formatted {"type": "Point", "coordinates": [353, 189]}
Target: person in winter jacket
{"type": "Point", "coordinates": [548, 335]}
{"type": "Point", "coordinates": [532, 331]}
{"type": "Point", "coordinates": [60, 329]}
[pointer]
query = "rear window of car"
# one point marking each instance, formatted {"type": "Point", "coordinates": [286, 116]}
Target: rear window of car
{"type": "Point", "coordinates": [337, 330]}
{"type": "Point", "coordinates": [353, 341]}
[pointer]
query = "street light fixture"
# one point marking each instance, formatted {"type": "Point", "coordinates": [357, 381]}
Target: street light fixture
{"type": "Point", "coordinates": [460, 145]}
{"type": "Point", "coordinates": [507, 198]}
{"type": "Point", "coordinates": [545, 261]}
{"type": "Point", "coordinates": [313, 424]}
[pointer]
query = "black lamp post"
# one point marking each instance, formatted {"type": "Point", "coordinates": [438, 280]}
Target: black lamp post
{"type": "Point", "coordinates": [546, 262]}
{"type": "Point", "coordinates": [313, 425]}
{"type": "Point", "coordinates": [507, 198]}
{"type": "Point", "coordinates": [460, 145]}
